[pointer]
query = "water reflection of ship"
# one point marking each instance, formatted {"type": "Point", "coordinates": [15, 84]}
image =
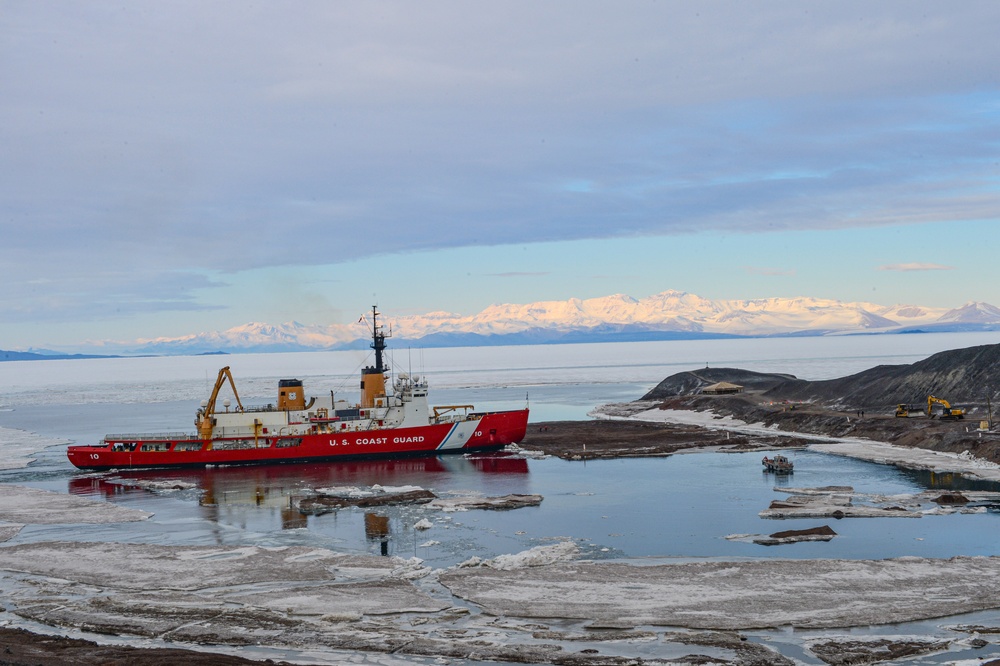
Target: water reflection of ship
{"type": "Point", "coordinates": [275, 486]}
{"type": "Point", "coordinates": [949, 481]}
{"type": "Point", "coordinates": [377, 530]}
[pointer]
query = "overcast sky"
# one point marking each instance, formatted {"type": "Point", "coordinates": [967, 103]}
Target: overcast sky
{"type": "Point", "coordinates": [177, 167]}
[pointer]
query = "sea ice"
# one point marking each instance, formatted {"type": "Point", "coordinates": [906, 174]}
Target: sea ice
{"type": "Point", "coordinates": [514, 501]}
{"type": "Point", "coordinates": [309, 598]}
{"type": "Point", "coordinates": [833, 505]}
{"type": "Point", "coordinates": [156, 486]}
{"type": "Point", "coordinates": [535, 557]}
{"type": "Point", "coordinates": [738, 595]}
{"type": "Point", "coordinates": [849, 650]}
{"type": "Point", "coordinates": [517, 452]}
{"type": "Point", "coordinates": [144, 566]}
{"type": "Point", "coordinates": [287, 599]}
{"type": "Point", "coordinates": [33, 506]}
{"type": "Point", "coordinates": [19, 446]}
{"type": "Point", "coordinates": [9, 531]}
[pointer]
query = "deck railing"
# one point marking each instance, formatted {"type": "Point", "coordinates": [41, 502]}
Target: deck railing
{"type": "Point", "coordinates": [150, 436]}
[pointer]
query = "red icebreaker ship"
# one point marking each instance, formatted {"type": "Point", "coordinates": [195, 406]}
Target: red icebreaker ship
{"type": "Point", "coordinates": [384, 424]}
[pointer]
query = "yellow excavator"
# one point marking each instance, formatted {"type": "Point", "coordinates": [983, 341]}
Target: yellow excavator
{"type": "Point", "coordinates": [949, 413]}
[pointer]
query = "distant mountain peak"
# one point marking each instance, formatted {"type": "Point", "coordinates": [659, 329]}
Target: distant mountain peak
{"type": "Point", "coordinates": [665, 315]}
{"type": "Point", "coordinates": [972, 312]}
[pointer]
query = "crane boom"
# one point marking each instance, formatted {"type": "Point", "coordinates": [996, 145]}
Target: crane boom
{"type": "Point", "coordinates": [205, 422]}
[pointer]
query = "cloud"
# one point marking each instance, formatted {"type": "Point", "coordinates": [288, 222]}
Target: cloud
{"type": "Point", "coordinates": [520, 274]}
{"type": "Point", "coordinates": [915, 266]}
{"type": "Point", "coordinates": [188, 138]}
{"type": "Point", "coordinates": [116, 292]}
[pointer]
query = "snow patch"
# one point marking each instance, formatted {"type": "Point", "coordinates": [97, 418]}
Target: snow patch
{"type": "Point", "coordinates": [935, 461]}
{"type": "Point", "coordinates": [517, 452]}
{"type": "Point", "coordinates": [535, 557]}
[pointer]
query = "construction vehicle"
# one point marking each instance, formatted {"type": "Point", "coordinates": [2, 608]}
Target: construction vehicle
{"type": "Point", "coordinates": [906, 411]}
{"type": "Point", "coordinates": [949, 413]}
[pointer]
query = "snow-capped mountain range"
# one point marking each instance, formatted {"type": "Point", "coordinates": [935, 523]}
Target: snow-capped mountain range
{"type": "Point", "coordinates": [667, 315]}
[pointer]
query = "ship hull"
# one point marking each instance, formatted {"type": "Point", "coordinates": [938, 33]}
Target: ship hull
{"type": "Point", "coordinates": [491, 431]}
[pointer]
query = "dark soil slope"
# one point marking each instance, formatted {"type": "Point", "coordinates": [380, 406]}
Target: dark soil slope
{"type": "Point", "coordinates": [964, 377]}
{"type": "Point", "coordinates": [23, 648]}
{"type": "Point", "coordinates": [691, 382]}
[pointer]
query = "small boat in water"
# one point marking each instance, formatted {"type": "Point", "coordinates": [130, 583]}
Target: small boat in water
{"type": "Point", "coordinates": [389, 421]}
{"type": "Point", "coordinates": [779, 464]}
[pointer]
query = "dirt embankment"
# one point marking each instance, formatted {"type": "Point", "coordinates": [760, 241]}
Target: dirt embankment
{"type": "Point", "coordinates": [920, 432]}
{"type": "Point", "coordinates": [23, 648]}
{"type": "Point", "coordinates": [590, 440]}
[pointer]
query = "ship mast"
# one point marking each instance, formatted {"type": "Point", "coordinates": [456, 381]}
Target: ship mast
{"type": "Point", "coordinates": [373, 377]}
{"type": "Point", "coordinates": [378, 342]}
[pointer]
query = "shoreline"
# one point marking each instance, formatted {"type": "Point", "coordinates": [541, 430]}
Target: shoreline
{"type": "Point", "coordinates": [621, 437]}
{"type": "Point", "coordinates": [648, 428]}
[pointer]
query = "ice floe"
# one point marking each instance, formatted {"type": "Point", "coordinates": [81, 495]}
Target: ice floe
{"type": "Point", "coordinates": [535, 557]}
{"type": "Point", "coordinates": [33, 506]}
{"type": "Point", "coordinates": [848, 650]}
{"type": "Point", "coordinates": [154, 485]}
{"type": "Point", "coordinates": [738, 595]}
{"type": "Point", "coordinates": [832, 506]}
{"type": "Point", "coordinates": [517, 452]}
{"type": "Point", "coordinates": [503, 502]}
{"type": "Point", "coordinates": [182, 568]}
{"type": "Point", "coordinates": [19, 446]}
{"type": "Point", "coordinates": [839, 502]}
{"type": "Point", "coordinates": [7, 532]}
{"type": "Point", "coordinates": [823, 533]}
{"type": "Point", "coordinates": [325, 500]}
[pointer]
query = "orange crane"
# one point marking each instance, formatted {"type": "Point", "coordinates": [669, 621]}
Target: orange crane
{"type": "Point", "coordinates": [205, 420]}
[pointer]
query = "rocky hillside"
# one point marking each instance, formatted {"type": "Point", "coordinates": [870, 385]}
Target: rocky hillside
{"type": "Point", "coordinates": [692, 381]}
{"type": "Point", "coordinates": [964, 377]}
